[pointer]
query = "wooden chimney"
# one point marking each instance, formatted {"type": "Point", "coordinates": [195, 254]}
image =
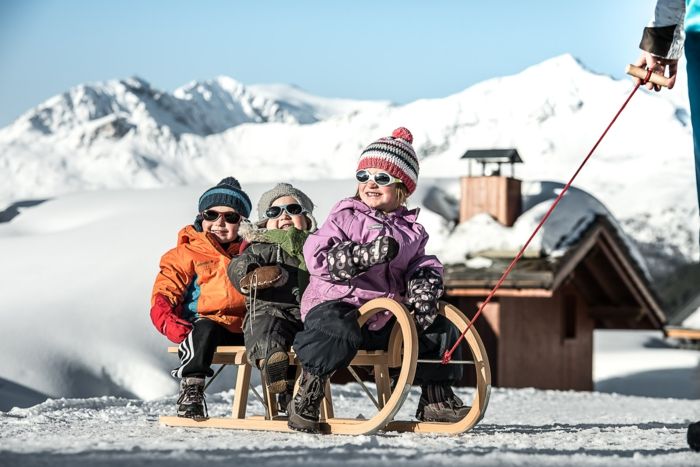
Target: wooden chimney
{"type": "Point", "coordinates": [491, 192]}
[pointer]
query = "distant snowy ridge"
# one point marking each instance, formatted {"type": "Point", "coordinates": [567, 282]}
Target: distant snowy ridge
{"type": "Point", "coordinates": [127, 134]}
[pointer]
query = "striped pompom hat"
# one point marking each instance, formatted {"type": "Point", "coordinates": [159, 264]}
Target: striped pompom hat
{"type": "Point", "coordinates": [394, 154]}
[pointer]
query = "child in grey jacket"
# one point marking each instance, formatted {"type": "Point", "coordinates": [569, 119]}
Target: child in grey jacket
{"type": "Point", "coordinates": [272, 273]}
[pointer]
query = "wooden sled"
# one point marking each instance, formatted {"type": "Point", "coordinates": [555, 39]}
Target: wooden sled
{"type": "Point", "coordinates": [402, 353]}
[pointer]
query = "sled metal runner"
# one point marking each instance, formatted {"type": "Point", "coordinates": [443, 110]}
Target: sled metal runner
{"type": "Point", "coordinates": [402, 354]}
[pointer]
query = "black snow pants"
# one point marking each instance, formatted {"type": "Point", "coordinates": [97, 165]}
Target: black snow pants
{"type": "Point", "coordinates": [332, 337]}
{"type": "Point", "coordinates": [269, 329]}
{"type": "Point", "coordinates": [196, 352]}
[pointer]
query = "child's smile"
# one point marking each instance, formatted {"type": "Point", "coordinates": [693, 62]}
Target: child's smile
{"type": "Point", "coordinates": [283, 219]}
{"type": "Point", "coordinates": [383, 198]}
{"type": "Point", "coordinates": [224, 232]}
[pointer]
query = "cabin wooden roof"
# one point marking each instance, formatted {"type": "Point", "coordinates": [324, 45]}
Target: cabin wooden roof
{"type": "Point", "coordinates": [599, 265]}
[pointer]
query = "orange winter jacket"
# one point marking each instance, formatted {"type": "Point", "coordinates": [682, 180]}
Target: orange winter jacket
{"type": "Point", "coordinates": [193, 278]}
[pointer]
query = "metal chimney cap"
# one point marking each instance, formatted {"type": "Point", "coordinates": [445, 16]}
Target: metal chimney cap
{"type": "Point", "coordinates": [493, 155]}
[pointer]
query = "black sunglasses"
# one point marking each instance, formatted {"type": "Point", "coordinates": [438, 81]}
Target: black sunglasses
{"type": "Point", "coordinates": [293, 209]}
{"type": "Point", "coordinates": [380, 178]}
{"type": "Point", "coordinates": [230, 217]}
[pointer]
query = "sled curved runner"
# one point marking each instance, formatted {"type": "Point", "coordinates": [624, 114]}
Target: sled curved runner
{"type": "Point", "coordinates": [402, 353]}
{"type": "Point", "coordinates": [480, 399]}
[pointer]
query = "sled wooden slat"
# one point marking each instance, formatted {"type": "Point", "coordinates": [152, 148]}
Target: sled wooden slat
{"type": "Point", "coordinates": [235, 355]}
{"type": "Point", "coordinates": [340, 426]}
{"type": "Point", "coordinates": [240, 402]}
{"type": "Point", "coordinates": [683, 333]}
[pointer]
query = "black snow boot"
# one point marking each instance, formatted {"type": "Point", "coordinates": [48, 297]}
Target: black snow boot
{"type": "Point", "coordinates": [274, 371]}
{"type": "Point", "coordinates": [191, 403]}
{"type": "Point", "coordinates": [694, 436]}
{"type": "Point", "coordinates": [439, 404]}
{"type": "Point", "coordinates": [285, 398]}
{"type": "Point", "coordinates": [304, 409]}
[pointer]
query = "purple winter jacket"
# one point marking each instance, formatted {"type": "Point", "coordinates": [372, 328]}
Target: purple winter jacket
{"type": "Point", "coordinates": [353, 220]}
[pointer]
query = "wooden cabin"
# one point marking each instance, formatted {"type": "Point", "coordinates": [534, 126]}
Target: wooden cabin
{"type": "Point", "coordinates": [538, 328]}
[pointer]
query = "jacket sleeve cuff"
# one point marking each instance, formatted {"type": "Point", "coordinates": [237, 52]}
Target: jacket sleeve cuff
{"type": "Point", "coordinates": [663, 41]}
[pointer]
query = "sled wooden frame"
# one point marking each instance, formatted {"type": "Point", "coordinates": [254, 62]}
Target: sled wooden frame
{"type": "Point", "coordinates": [402, 353]}
{"type": "Point", "coordinates": [482, 390]}
{"type": "Point", "coordinates": [398, 355]}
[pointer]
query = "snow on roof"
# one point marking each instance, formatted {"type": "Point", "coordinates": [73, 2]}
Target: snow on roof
{"type": "Point", "coordinates": [483, 236]}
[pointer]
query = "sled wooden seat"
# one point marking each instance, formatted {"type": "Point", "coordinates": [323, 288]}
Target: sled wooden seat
{"type": "Point", "coordinates": [402, 353]}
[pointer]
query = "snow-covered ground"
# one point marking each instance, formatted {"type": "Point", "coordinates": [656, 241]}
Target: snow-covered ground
{"type": "Point", "coordinates": [521, 427]}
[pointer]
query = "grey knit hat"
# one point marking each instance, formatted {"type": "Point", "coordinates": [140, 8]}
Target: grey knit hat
{"type": "Point", "coordinates": [285, 189]}
{"type": "Point", "coordinates": [227, 193]}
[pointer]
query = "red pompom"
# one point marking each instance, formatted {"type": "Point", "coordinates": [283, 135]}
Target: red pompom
{"type": "Point", "coordinates": [403, 133]}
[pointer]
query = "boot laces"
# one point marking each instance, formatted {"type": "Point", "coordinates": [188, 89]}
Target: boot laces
{"type": "Point", "coordinates": [311, 395]}
{"type": "Point", "coordinates": [193, 394]}
{"type": "Point", "coordinates": [454, 402]}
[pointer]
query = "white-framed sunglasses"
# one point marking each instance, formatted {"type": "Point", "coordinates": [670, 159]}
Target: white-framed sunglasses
{"type": "Point", "coordinates": [380, 178]}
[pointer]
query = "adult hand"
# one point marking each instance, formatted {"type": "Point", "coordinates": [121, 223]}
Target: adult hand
{"type": "Point", "coordinates": [663, 66]}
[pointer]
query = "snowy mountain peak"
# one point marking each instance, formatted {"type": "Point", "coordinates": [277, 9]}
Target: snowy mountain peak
{"type": "Point", "coordinates": [564, 61]}
{"type": "Point", "coordinates": [126, 133]}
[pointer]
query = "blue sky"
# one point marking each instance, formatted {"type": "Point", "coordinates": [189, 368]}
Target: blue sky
{"type": "Point", "coordinates": [394, 50]}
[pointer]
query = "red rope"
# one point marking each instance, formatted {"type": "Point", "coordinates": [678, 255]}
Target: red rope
{"type": "Point", "coordinates": [448, 354]}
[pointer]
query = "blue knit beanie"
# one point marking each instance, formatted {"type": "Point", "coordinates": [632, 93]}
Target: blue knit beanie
{"type": "Point", "coordinates": [227, 193]}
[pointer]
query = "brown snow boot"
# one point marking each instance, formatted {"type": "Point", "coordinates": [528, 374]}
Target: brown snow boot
{"type": "Point", "coordinates": [274, 371]}
{"type": "Point", "coordinates": [191, 403]}
{"type": "Point", "coordinates": [304, 409]}
{"type": "Point", "coordinates": [438, 403]}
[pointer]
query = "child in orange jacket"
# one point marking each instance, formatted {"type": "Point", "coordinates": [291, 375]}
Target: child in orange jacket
{"type": "Point", "coordinates": [193, 303]}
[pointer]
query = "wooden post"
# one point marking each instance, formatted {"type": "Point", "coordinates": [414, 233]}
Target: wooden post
{"type": "Point", "coordinates": [240, 396]}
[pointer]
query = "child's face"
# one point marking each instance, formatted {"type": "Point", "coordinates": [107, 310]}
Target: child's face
{"type": "Point", "coordinates": [219, 228]}
{"type": "Point", "coordinates": [382, 198]}
{"type": "Point", "coordinates": [285, 220]}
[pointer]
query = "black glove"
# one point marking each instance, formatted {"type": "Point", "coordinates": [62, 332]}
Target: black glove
{"type": "Point", "coordinates": [423, 291]}
{"type": "Point", "coordinates": [348, 259]}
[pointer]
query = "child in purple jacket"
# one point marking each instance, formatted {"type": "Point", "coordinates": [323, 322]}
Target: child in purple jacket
{"type": "Point", "coordinates": [371, 246]}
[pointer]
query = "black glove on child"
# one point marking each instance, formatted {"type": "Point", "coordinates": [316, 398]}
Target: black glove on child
{"type": "Point", "coordinates": [423, 291]}
{"type": "Point", "coordinates": [348, 259]}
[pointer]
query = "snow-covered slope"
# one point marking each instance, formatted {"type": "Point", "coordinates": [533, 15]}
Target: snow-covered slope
{"type": "Point", "coordinates": [127, 134]}
{"type": "Point", "coordinates": [78, 272]}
